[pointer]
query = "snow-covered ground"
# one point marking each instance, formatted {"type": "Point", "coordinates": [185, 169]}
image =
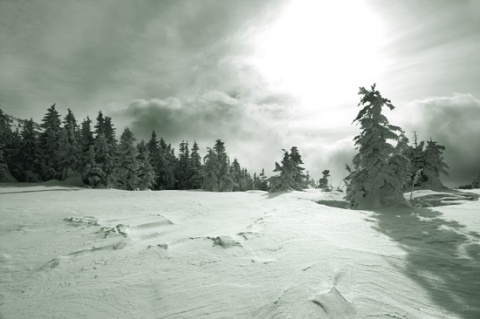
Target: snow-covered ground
{"type": "Point", "coordinates": [69, 252]}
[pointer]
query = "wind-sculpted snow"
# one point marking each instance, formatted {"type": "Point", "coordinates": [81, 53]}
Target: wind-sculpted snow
{"type": "Point", "coordinates": [172, 254]}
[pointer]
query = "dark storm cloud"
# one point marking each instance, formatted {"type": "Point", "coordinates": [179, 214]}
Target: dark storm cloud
{"type": "Point", "coordinates": [87, 54]}
{"type": "Point", "coordinates": [454, 122]}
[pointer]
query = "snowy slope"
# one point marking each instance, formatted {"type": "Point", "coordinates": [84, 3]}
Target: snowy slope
{"type": "Point", "coordinates": [69, 252]}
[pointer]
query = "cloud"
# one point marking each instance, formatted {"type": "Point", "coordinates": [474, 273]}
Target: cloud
{"type": "Point", "coordinates": [85, 55]}
{"type": "Point", "coordinates": [251, 126]}
{"type": "Point", "coordinates": [453, 121]}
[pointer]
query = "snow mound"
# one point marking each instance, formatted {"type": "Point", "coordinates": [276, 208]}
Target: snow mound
{"type": "Point", "coordinates": [334, 304]}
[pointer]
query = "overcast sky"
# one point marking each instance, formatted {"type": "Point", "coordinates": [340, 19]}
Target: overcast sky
{"type": "Point", "coordinates": [260, 75]}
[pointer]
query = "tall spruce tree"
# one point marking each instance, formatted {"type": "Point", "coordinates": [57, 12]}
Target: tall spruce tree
{"type": "Point", "coordinates": [105, 149]}
{"type": "Point", "coordinates": [49, 145]}
{"type": "Point", "coordinates": [183, 171]}
{"type": "Point", "coordinates": [196, 178]}
{"type": "Point", "coordinates": [127, 169]}
{"type": "Point", "coordinates": [86, 140]}
{"type": "Point", "coordinates": [217, 169]}
{"type": "Point", "coordinates": [146, 175]}
{"type": "Point", "coordinates": [28, 155]}
{"type": "Point", "coordinates": [69, 154]}
{"type": "Point", "coordinates": [157, 160]}
{"type": "Point", "coordinates": [378, 174]}
{"type": "Point", "coordinates": [170, 164]}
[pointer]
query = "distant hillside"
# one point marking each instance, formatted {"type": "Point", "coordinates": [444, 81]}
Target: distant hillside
{"type": "Point", "coordinates": [17, 124]}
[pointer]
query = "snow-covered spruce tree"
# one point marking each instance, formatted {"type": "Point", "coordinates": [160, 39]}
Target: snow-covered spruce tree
{"type": "Point", "coordinates": [69, 149]}
{"type": "Point", "coordinates": [49, 145]}
{"type": "Point", "coordinates": [146, 175]}
{"type": "Point", "coordinates": [210, 171]}
{"type": "Point", "coordinates": [217, 170]}
{"type": "Point", "coordinates": [196, 178]}
{"type": "Point", "coordinates": [291, 175]}
{"type": "Point", "coordinates": [126, 172]}
{"type": "Point", "coordinates": [92, 174]}
{"type": "Point", "coordinates": [167, 169]}
{"type": "Point", "coordinates": [434, 166]}
{"type": "Point", "coordinates": [105, 148]}
{"type": "Point", "coordinates": [28, 155]}
{"type": "Point", "coordinates": [157, 159]}
{"type": "Point", "coordinates": [416, 154]}
{"type": "Point", "coordinates": [86, 141]}
{"type": "Point", "coordinates": [380, 171]}
{"type": "Point", "coordinates": [183, 170]}
{"type": "Point", "coordinates": [323, 182]}
{"type": "Point", "coordinates": [262, 181]}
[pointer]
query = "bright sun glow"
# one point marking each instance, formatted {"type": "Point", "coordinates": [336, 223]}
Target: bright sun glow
{"type": "Point", "coordinates": [322, 50]}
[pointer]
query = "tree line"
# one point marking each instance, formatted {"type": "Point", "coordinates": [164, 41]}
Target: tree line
{"type": "Point", "coordinates": [61, 148]}
{"type": "Point", "coordinates": [385, 166]}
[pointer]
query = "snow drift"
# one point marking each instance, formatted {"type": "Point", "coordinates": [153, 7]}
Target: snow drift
{"type": "Point", "coordinates": [68, 252]}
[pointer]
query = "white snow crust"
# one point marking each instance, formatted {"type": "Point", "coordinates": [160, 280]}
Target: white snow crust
{"type": "Point", "coordinates": [68, 252]}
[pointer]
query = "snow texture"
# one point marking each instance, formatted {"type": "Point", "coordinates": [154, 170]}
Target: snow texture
{"type": "Point", "coordinates": [68, 252]}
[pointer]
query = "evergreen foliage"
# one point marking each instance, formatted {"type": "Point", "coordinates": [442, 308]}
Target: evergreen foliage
{"type": "Point", "coordinates": [290, 175]}
{"type": "Point", "coordinates": [146, 175]}
{"type": "Point", "coordinates": [217, 170]}
{"type": "Point", "coordinates": [428, 160]}
{"type": "Point", "coordinates": [323, 182]}
{"type": "Point", "coordinates": [86, 141]}
{"type": "Point", "coordinates": [92, 174]}
{"type": "Point", "coordinates": [380, 170]}
{"type": "Point", "coordinates": [196, 177]}
{"type": "Point", "coordinates": [183, 171]}
{"type": "Point", "coordinates": [49, 145]}
{"type": "Point", "coordinates": [127, 169]}
{"type": "Point", "coordinates": [28, 155]}
{"type": "Point", "coordinates": [69, 148]}
{"type": "Point", "coordinates": [6, 138]}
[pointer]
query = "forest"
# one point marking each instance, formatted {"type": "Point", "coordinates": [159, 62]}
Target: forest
{"type": "Point", "coordinates": [385, 166]}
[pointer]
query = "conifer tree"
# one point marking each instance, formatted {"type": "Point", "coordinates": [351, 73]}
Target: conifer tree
{"type": "Point", "coordinates": [49, 145]}
{"type": "Point", "coordinates": [183, 171]}
{"type": "Point", "coordinates": [225, 182]}
{"type": "Point", "coordinates": [146, 175]}
{"type": "Point", "coordinates": [263, 181]}
{"type": "Point", "coordinates": [323, 182]}
{"type": "Point", "coordinates": [237, 176]}
{"type": "Point", "coordinates": [92, 174]}
{"type": "Point", "coordinates": [196, 179]}
{"type": "Point", "coordinates": [170, 163]}
{"type": "Point", "coordinates": [378, 174]}
{"type": "Point", "coordinates": [6, 139]}
{"type": "Point", "coordinates": [28, 155]}
{"type": "Point", "coordinates": [434, 166]}
{"type": "Point", "coordinates": [127, 169]}
{"type": "Point", "coordinates": [86, 140]}
{"type": "Point", "coordinates": [105, 148]}
{"type": "Point", "coordinates": [290, 175]}
{"type": "Point", "coordinates": [217, 169]}
{"type": "Point", "coordinates": [69, 149]}
{"type": "Point", "coordinates": [210, 171]}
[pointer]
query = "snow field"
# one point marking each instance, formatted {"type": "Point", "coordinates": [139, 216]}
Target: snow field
{"type": "Point", "coordinates": [68, 252]}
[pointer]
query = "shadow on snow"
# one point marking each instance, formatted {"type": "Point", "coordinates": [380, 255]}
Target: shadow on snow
{"type": "Point", "coordinates": [442, 257]}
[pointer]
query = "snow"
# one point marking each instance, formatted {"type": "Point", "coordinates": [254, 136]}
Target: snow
{"type": "Point", "coordinates": [69, 252]}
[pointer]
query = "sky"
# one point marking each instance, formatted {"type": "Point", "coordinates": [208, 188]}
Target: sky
{"type": "Point", "coordinates": [260, 75]}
